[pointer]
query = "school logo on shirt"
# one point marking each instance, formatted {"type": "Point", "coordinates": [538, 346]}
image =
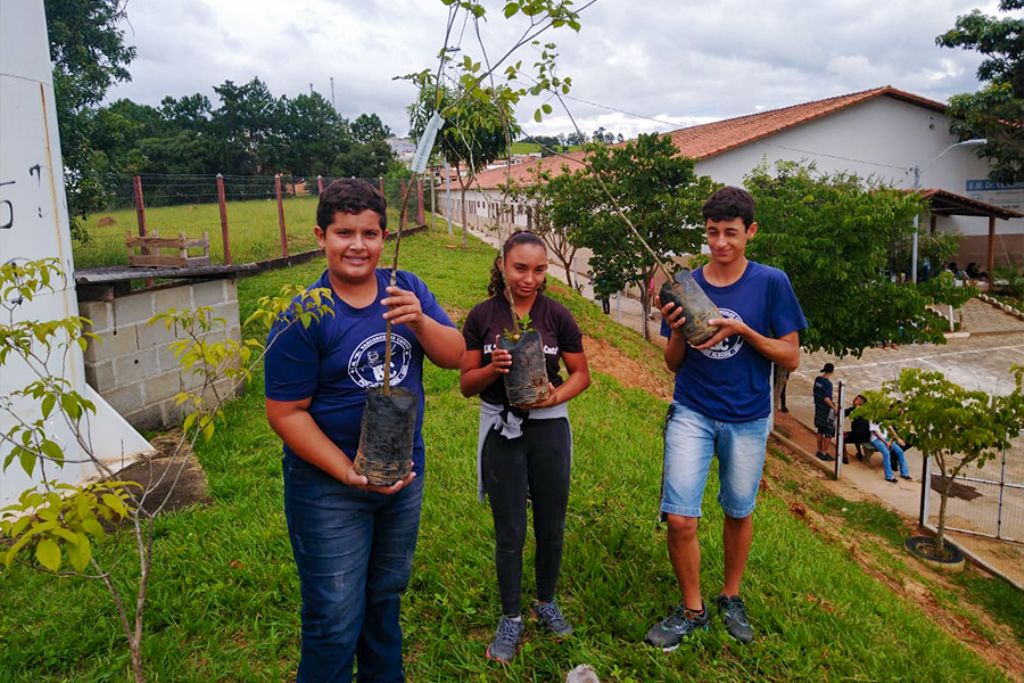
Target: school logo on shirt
{"type": "Point", "coordinates": [366, 365]}
{"type": "Point", "coordinates": [730, 346]}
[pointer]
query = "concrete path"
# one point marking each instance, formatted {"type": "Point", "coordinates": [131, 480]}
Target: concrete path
{"type": "Point", "coordinates": [981, 361]}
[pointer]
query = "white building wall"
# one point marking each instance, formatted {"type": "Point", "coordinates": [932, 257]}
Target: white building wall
{"type": "Point", "coordinates": [882, 138]}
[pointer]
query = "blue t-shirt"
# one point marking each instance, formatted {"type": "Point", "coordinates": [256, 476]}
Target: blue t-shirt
{"type": "Point", "coordinates": [337, 359]}
{"type": "Point", "coordinates": [729, 381]}
{"type": "Point", "coordinates": [822, 390]}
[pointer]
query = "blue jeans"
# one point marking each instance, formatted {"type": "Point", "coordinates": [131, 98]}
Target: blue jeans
{"type": "Point", "coordinates": [691, 439]}
{"type": "Point", "coordinates": [886, 465]}
{"type": "Point", "coordinates": [353, 551]}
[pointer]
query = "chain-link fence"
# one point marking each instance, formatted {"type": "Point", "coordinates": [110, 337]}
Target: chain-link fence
{"type": "Point", "coordinates": [985, 501]}
{"type": "Point", "coordinates": [245, 218]}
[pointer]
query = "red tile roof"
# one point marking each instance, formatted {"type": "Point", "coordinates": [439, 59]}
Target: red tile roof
{"type": "Point", "coordinates": [709, 139]}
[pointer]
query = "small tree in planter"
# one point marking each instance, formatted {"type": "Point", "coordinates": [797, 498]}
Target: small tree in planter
{"type": "Point", "coordinates": [955, 427]}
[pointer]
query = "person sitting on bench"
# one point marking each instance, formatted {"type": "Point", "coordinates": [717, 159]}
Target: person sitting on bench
{"type": "Point", "coordinates": [860, 431]}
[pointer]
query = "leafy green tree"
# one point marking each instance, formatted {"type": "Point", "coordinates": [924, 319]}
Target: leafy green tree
{"type": "Point", "coordinates": [245, 122]}
{"type": "Point", "coordinates": [369, 128]}
{"type": "Point", "coordinates": [364, 160]}
{"type": "Point", "coordinates": [661, 195]}
{"type": "Point", "coordinates": [954, 427]}
{"type": "Point", "coordinates": [834, 235]}
{"type": "Point", "coordinates": [479, 126]}
{"type": "Point", "coordinates": [89, 55]}
{"type": "Point", "coordinates": [310, 134]}
{"type": "Point", "coordinates": [995, 112]}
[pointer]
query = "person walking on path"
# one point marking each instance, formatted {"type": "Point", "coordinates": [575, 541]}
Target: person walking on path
{"type": "Point", "coordinates": [722, 405]}
{"type": "Point", "coordinates": [353, 543]}
{"type": "Point", "coordinates": [524, 453]}
{"type": "Point", "coordinates": [825, 412]}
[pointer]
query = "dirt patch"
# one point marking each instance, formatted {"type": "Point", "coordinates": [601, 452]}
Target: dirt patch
{"type": "Point", "coordinates": [653, 378]}
{"type": "Point", "coordinates": [993, 641]}
{"type": "Point", "coordinates": [957, 490]}
{"type": "Point", "coordinates": [171, 477]}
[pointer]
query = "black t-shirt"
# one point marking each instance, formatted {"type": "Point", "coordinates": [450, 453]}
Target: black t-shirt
{"type": "Point", "coordinates": [558, 330]}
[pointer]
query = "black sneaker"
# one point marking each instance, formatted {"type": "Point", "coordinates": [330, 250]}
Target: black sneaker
{"type": "Point", "coordinates": [506, 640]}
{"type": "Point", "coordinates": [824, 456]}
{"type": "Point", "coordinates": [670, 631]}
{"type": "Point", "coordinates": [734, 616]}
{"type": "Point", "coordinates": [552, 618]}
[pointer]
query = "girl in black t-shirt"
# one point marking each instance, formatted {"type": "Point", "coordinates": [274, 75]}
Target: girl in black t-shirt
{"type": "Point", "coordinates": [523, 450]}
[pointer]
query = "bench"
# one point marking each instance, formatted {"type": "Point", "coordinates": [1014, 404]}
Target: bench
{"type": "Point", "coordinates": [152, 245]}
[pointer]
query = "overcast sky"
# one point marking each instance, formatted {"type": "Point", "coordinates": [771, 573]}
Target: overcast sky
{"type": "Point", "coordinates": [672, 62]}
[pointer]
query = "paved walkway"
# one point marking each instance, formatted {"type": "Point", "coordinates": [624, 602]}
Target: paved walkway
{"type": "Point", "coordinates": [981, 361]}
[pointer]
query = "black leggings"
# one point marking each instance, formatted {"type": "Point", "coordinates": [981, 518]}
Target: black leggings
{"type": "Point", "coordinates": [538, 463]}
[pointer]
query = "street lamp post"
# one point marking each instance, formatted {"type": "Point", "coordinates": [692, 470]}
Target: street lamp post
{"type": "Point", "coordinates": [917, 186]}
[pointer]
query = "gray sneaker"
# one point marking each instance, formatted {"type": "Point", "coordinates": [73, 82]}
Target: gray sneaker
{"type": "Point", "coordinates": [506, 640]}
{"type": "Point", "coordinates": [549, 615]}
{"type": "Point", "coordinates": [670, 631]}
{"type": "Point", "coordinates": [734, 616]}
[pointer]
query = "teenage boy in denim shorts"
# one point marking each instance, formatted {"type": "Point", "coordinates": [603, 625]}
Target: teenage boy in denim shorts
{"type": "Point", "coordinates": [721, 404]}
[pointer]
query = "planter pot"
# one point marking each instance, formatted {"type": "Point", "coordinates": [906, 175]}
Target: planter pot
{"type": "Point", "coordinates": [685, 293]}
{"type": "Point", "coordinates": [923, 548]}
{"type": "Point", "coordinates": [527, 380]}
{"type": "Point", "coordinates": [386, 436]}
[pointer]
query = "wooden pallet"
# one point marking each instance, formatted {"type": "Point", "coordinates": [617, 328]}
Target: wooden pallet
{"type": "Point", "coordinates": [152, 245]}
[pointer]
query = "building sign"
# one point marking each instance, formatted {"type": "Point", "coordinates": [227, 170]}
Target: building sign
{"type": "Point", "coordinates": [1008, 196]}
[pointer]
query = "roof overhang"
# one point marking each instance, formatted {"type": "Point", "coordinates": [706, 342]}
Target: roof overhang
{"type": "Point", "coordinates": [946, 203]}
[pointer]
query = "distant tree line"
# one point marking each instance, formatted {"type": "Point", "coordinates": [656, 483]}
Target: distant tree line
{"type": "Point", "coordinates": [247, 131]}
{"type": "Point", "coordinates": [564, 142]}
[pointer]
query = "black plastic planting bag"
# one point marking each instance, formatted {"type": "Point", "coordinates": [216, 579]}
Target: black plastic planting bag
{"type": "Point", "coordinates": [684, 292]}
{"type": "Point", "coordinates": [527, 380]}
{"type": "Point", "coordinates": [386, 436]}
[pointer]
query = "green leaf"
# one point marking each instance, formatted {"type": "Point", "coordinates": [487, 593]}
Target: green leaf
{"type": "Point", "coordinates": [52, 451]}
{"type": "Point", "coordinates": [115, 504]}
{"type": "Point", "coordinates": [511, 8]}
{"type": "Point", "coordinates": [80, 552]}
{"type": "Point", "coordinates": [48, 554]}
{"type": "Point", "coordinates": [94, 528]}
{"type": "Point", "coordinates": [48, 402]}
{"type": "Point", "coordinates": [27, 459]}
{"type": "Point", "coordinates": [537, 116]}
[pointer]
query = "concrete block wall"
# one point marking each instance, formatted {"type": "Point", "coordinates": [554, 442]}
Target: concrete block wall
{"type": "Point", "coordinates": [132, 365]}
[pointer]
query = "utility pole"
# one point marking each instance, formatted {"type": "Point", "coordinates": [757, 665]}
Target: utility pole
{"type": "Point", "coordinates": [333, 104]}
{"type": "Point", "coordinates": [448, 198]}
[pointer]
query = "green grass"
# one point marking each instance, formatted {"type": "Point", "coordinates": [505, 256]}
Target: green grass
{"type": "Point", "coordinates": [254, 231]}
{"type": "Point", "coordinates": [531, 147]}
{"type": "Point", "coordinates": [225, 599]}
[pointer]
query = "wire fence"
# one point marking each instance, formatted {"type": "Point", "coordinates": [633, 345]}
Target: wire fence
{"type": "Point", "coordinates": [985, 501]}
{"type": "Point", "coordinates": [245, 218]}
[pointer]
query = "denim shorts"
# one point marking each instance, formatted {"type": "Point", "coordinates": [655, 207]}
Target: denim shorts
{"type": "Point", "coordinates": [691, 439]}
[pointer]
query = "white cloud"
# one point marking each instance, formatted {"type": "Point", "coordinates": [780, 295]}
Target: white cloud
{"type": "Point", "coordinates": [676, 62]}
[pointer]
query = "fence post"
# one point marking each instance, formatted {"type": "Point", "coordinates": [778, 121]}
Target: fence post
{"type": "Point", "coordinates": [380, 185]}
{"type": "Point", "coordinates": [140, 207]}
{"type": "Point", "coordinates": [280, 215]}
{"type": "Point", "coordinates": [225, 239]}
{"type": "Point", "coordinates": [926, 485]}
{"type": "Point", "coordinates": [419, 203]}
{"type": "Point", "coordinates": [840, 442]}
{"type": "Point", "coordinates": [433, 199]}
{"type": "Point", "coordinates": [319, 185]}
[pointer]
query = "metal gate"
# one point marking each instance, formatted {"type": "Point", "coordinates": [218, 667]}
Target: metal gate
{"type": "Point", "coordinates": [989, 504]}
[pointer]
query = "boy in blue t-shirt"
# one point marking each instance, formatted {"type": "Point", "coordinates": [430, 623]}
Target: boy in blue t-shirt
{"type": "Point", "coordinates": [353, 542]}
{"type": "Point", "coordinates": [721, 405]}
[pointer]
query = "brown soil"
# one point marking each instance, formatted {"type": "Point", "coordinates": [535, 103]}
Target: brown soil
{"type": "Point", "coordinates": [654, 378]}
{"type": "Point", "coordinates": [159, 475]}
{"type": "Point", "coordinates": [999, 646]}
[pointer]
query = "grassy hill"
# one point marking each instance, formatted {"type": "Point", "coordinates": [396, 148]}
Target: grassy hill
{"type": "Point", "coordinates": [224, 602]}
